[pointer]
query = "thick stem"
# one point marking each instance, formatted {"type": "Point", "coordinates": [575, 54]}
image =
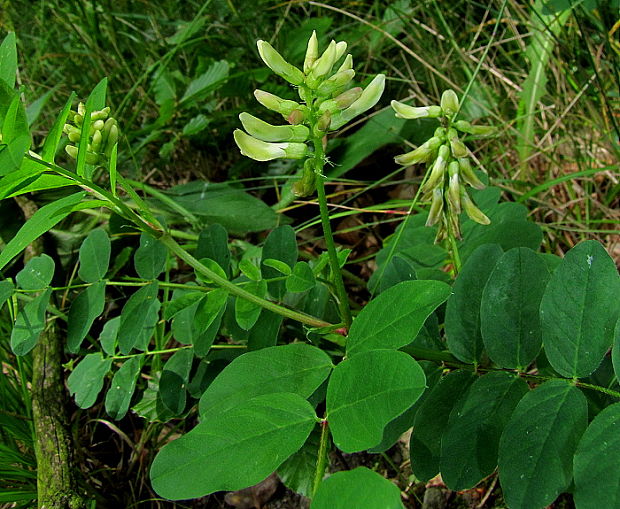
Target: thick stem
{"type": "Point", "coordinates": [172, 245]}
{"type": "Point", "coordinates": [321, 461]}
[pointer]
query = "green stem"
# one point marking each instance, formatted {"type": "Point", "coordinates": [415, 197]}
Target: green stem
{"type": "Point", "coordinates": [321, 461]}
{"type": "Point", "coordinates": [172, 245]}
{"type": "Point", "coordinates": [454, 251]}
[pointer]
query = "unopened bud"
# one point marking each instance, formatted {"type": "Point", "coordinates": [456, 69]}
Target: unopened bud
{"type": "Point", "coordinates": [410, 112]}
{"type": "Point", "coordinates": [454, 187]}
{"type": "Point", "coordinates": [468, 175]}
{"type": "Point", "coordinates": [74, 134]}
{"type": "Point", "coordinates": [91, 158]}
{"type": "Point", "coordinates": [434, 214]}
{"type": "Point", "coordinates": [307, 184]}
{"type": "Point", "coordinates": [347, 64]}
{"type": "Point", "coordinates": [96, 142]}
{"type": "Point", "coordinates": [274, 103]}
{"type": "Point", "coordinates": [421, 154]}
{"type": "Point", "coordinates": [322, 124]}
{"type": "Point", "coordinates": [295, 117]}
{"type": "Point", "coordinates": [101, 114]}
{"type": "Point", "coordinates": [78, 119]}
{"type": "Point", "coordinates": [347, 98]}
{"type": "Point", "coordinates": [324, 63]}
{"type": "Point", "coordinates": [267, 132]}
{"type": "Point", "coordinates": [263, 151]}
{"type": "Point", "coordinates": [97, 125]}
{"type": "Point", "coordinates": [337, 82]}
{"type": "Point", "coordinates": [458, 148]}
{"type": "Point", "coordinates": [72, 151]}
{"type": "Point", "coordinates": [312, 52]}
{"type": "Point", "coordinates": [449, 102]}
{"type": "Point", "coordinates": [277, 64]}
{"type": "Point", "coordinates": [81, 110]}
{"type": "Point", "coordinates": [478, 130]}
{"type": "Point", "coordinates": [341, 47]}
{"type": "Point", "coordinates": [111, 141]}
{"type": "Point", "coordinates": [367, 99]}
{"type": "Point", "coordinates": [473, 212]}
{"type": "Point", "coordinates": [435, 179]}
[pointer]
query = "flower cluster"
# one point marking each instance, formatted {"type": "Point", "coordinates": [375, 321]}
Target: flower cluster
{"type": "Point", "coordinates": [103, 134]}
{"type": "Point", "coordinates": [327, 102]}
{"type": "Point", "coordinates": [450, 167]}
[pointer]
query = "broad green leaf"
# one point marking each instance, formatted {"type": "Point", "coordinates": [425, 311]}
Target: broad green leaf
{"type": "Point", "coordinates": [297, 472]}
{"type": "Point", "coordinates": [213, 244]}
{"type": "Point", "coordinates": [579, 310]}
{"type": "Point", "coordinates": [15, 123]}
{"type": "Point", "coordinates": [183, 321]}
{"type": "Point", "coordinates": [150, 258]}
{"type": "Point", "coordinates": [118, 397]}
{"type": "Point", "coordinates": [302, 279]}
{"type": "Point", "coordinates": [537, 447]}
{"type": "Point", "coordinates": [281, 267]}
{"type": "Point", "coordinates": [509, 317]}
{"type": "Point", "coordinates": [173, 381]}
{"type": "Point", "coordinates": [463, 308]}
{"type": "Point", "coordinates": [134, 317]}
{"type": "Point", "coordinates": [246, 312]}
{"type": "Point", "coordinates": [360, 488]}
{"type": "Point", "coordinates": [395, 429]}
{"type": "Point", "coordinates": [52, 140]}
{"type": "Point", "coordinates": [150, 407]}
{"type": "Point", "coordinates": [109, 335]}
{"type": "Point", "coordinates": [249, 270]}
{"type": "Point", "coordinates": [597, 475]}
{"type": "Point", "coordinates": [211, 79]}
{"type": "Point", "coordinates": [236, 210]}
{"type": "Point", "coordinates": [41, 221]}
{"type": "Point", "coordinates": [150, 322]}
{"type": "Point", "coordinates": [94, 256]}
{"type": "Point", "coordinates": [615, 351]}
{"type": "Point", "coordinates": [202, 342]}
{"type": "Point", "coordinates": [86, 307]}
{"type": "Point", "coordinates": [196, 125]}
{"type": "Point", "coordinates": [6, 291]}
{"type": "Point", "coordinates": [181, 302]}
{"type": "Point", "coordinates": [470, 442]}
{"type": "Point", "coordinates": [37, 274]}
{"type": "Point", "coordinates": [398, 269]}
{"type": "Point", "coordinates": [366, 392]}
{"type": "Point", "coordinates": [281, 244]}
{"type": "Point", "coordinates": [265, 331]}
{"type": "Point", "coordinates": [29, 324]}
{"type": "Point", "coordinates": [213, 266]}
{"type": "Point", "coordinates": [244, 446]}
{"type": "Point", "coordinates": [432, 419]}
{"type": "Point", "coordinates": [395, 317]}
{"type": "Point", "coordinates": [12, 154]}
{"type": "Point", "coordinates": [86, 380]}
{"type": "Point", "coordinates": [297, 368]}
{"type": "Point", "coordinates": [30, 178]}
{"type": "Point", "coordinates": [8, 60]}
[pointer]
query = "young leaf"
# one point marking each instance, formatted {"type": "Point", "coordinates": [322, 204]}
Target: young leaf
{"type": "Point", "coordinates": [6, 291]}
{"type": "Point", "coordinates": [135, 317]}
{"type": "Point", "coordinates": [121, 389]}
{"type": "Point", "coordinates": [281, 244]}
{"type": "Point", "coordinates": [150, 258]}
{"type": "Point", "coordinates": [247, 444]}
{"type": "Point", "coordinates": [181, 302]}
{"type": "Point", "coordinates": [579, 310]}
{"type": "Point", "coordinates": [470, 442]}
{"type": "Point", "coordinates": [463, 308]}
{"type": "Point", "coordinates": [249, 270]}
{"type": "Point", "coordinates": [109, 334]}
{"type": "Point", "coordinates": [537, 447]}
{"type": "Point", "coordinates": [213, 244]}
{"type": "Point", "coordinates": [29, 324]}
{"type": "Point", "coordinates": [432, 419]}
{"type": "Point", "coordinates": [265, 331]}
{"type": "Point", "coordinates": [41, 221]}
{"type": "Point", "coordinates": [202, 342]}
{"type": "Point", "coordinates": [359, 488]}
{"type": "Point", "coordinates": [396, 316]}
{"type": "Point", "coordinates": [52, 140]}
{"type": "Point", "coordinates": [86, 380]}
{"type": "Point", "coordinates": [509, 318]}
{"type": "Point", "coordinates": [246, 312]}
{"type": "Point", "coordinates": [12, 154]}
{"type": "Point", "coordinates": [281, 267]}
{"type": "Point", "coordinates": [213, 266]}
{"type": "Point", "coordinates": [378, 383]}
{"type": "Point", "coordinates": [297, 368]}
{"type": "Point", "coordinates": [302, 279]}
{"type": "Point", "coordinates": [37, 274]}
{"type": "Point", "coordinates": [297, 472]}
{"type": "Point", "coordinates": [86, 307]}
{"type": "Point", "coordinates": [94, 256]}
{"type": "Point", "coordinates": [597, 476]}
{"type": "Point", "coordinates": [8, 60]}
{"type": "Point", "coordinates": [173, 381]}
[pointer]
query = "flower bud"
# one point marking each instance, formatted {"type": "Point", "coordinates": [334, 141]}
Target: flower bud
{"type": "Point", "coordinates": [307, 184]}
{"type": "Point", "coordinates": [335, 83]}
{"type": "Point", "coordinates": [421, 154]}
{"type": "Point", "coordinates": [277, 64]}
{"type": "Point", "coordinates": [96, 141]}
{"type": "Point", "coordinates": [72, 151]}
{"type": "Point", "coordinates": [478, 130]}
{"type": "Point", "coordinates": [275, 103]}
{"type": "Point", "coordinates": [440, 132]}
{"type": "Point", "coordinates": [409, 112]}
{"type": "Point", "coordinates": [97, 125]}
{"type": "Point", "coordinates": [468, 175]}
{"type": "Point", "coordinates": [267, 132]}
{"type": "Point", "coordinates": [367, 99]}
{"type": "Point", "coordinates": [341, 47]}
{"type": "Point", "coordinates": [263, 151]}
{"type": "Point", "coordinates": [296, 117]}
{"type": "Point", "coordinates": [74, 134]}
{"type": "Point", "coordinates": [81, 110]}
{"type": "Point", "coordinates": [435, 179]}
{"type": "Point", "coordinates": [458, 148]}
{"type": "Point", "coordinates": [454, 187]}
{"type": "Point", "coordinates": [78, 119]}
{"type": "Point", "coordinates": [324, 63]}
{"type": "Point", "coordinates": [347, 98]}
{"type": "Point", "coordinates": [101, 114]}
{"type": "Point", "coordinates": [473, 212]}
{"type": "Point", "coordinates": [434, 214]}
{"type": "Point", "coordinates": [322, 124]}
{"type": "Point", "coordinates": [449, 102]}
{"type": "Point", "coordinates": [347, 64]}
{"type": "Point", "coordinates": [111, 141]}
{"type": "Point", "coordinates": [312, 52]}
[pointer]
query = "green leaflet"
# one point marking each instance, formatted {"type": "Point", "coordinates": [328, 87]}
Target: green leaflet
{"type": "Point", "coordinates": [29, 324]}
{"type": "Point", "coordinates": [281, 245]}
{"type": "Point", "coordinates": [37, 274]}
{"type": "Point", "coordinates": [268, 429]}
{"type": "Point", "coordinates": [359, 488]}
{"type": "Point", "coordinates": [8, 60]}
{"type": "Point", "coordinates": [6, 291]}
{"type": "Point", "coordinates": [509, 317]}
{"type": "Point", "coordinates": [366, 392]}
{"type": "Point", "coordinates": [470, 442]}
{"type": "Point", "coordinates": [94, 256]}
{"type": "Point", "coordinates": [537, 447]}
{"type": "Point", "coordinates": [297, 472]}
{"type": "Point", "coordinates": [246, 312]}
{"type": "Point", "coordinates": [173, 382]}
{"type": "Point", "coordinates": [135, 319]}
{"type": "Point", "coordinates": [121, 389]}
{"type": "Point", "coordinates": [463, 308]}
{"type": "Point", "coordinates": [579, 310]}
{"type": "Point", "coordinates": [41, 221]}
{"type": "Point", "coordinates": [597, 476]}
{"type": "Point", "coordinates": [297, 368]}
{"type": "Point", "coordinates": [213, 244]}
{"type": "Point", "coordinates": [302, 279]}
{"type": "Point", "coordinates": [396, 316]}
{"type": "Point", "coordinates": [86, 380]}
{"type": "Point", "coordinates": [86, 307]}
{"type": "Point", "coordinates": [150, 258]}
